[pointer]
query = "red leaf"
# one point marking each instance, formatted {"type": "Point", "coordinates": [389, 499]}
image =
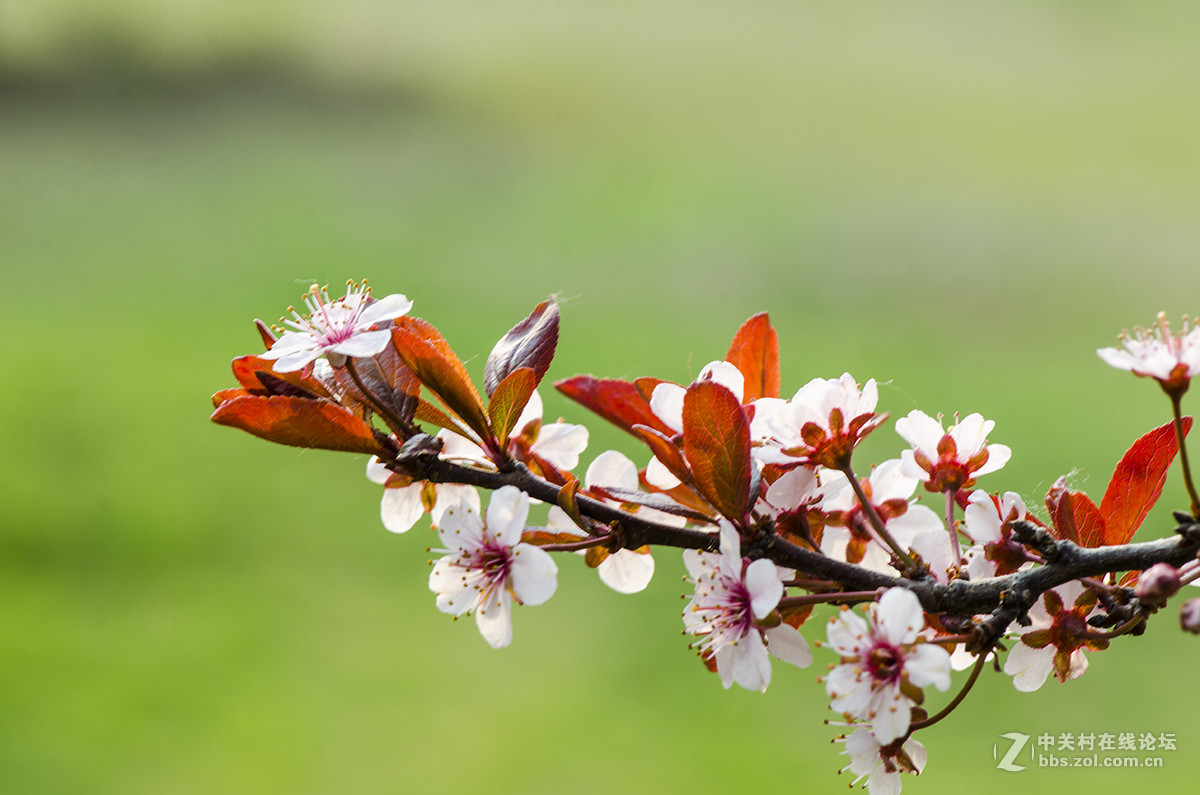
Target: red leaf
{"type": "Point", "coordinates": [619, 402]}
{"type": "Point", "coordinates": [1074, 516]}
{"type": "Point", "coordinates": [530, 343]}
{"type": "Point", "coordinates": [250, 371]}
{"type": "Point", "coordinates": [665, 451]}
{"type": "Point", "coordinates": [426, 352]}
{"type": "Point", "coordinates": [716, 444]}
{"type": "Point", "coordinates": [1138, 482]}
{"type": "Point", "coordinates": [755, 352]}
{"type": "Point", "coordinates": [388, 379]}
{"type": "Point", "coordinates": [508, 401]}
{"type": "Point", "coordinates": [299, 422]}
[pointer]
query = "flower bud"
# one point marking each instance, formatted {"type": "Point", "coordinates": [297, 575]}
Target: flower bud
{"type": "Point", "coordinates": [1189, 616]}
{"type": "Point", "coordinates": [1157, 584]}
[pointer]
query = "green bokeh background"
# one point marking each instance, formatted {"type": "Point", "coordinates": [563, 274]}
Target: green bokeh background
{"type": "Point", "coordinates": [962, 201]}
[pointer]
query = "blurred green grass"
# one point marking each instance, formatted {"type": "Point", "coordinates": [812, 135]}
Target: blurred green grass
{"type": "Point", "coordinates": [962, 202]}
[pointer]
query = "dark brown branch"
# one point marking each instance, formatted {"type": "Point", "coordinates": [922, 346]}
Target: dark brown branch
{"type": "Point", "coordinates": [1004, 599]}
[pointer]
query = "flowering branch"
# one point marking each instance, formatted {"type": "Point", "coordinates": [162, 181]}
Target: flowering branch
{"type": "Point", "coordinates": [758, 491]}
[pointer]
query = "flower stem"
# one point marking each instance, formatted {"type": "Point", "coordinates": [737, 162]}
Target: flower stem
{"type": "Point", "coordinates": [955, 546]}
{"type": "Point", "coordinates": [1183, 458]}
{"type": "Point", "coordinates": [876, 521]}
{"type": "Point", "coordinates": [576, 546]}
{"type": "Point", "coordinates": [958, 699]}
{"type": "Point", "coordinates": [842, 597]}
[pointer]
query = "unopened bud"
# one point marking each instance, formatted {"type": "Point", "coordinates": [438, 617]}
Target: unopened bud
{"type": "Point", "coordinates": [1157, 584]}
{"type": "Point", "coordinates": [1189, 616]}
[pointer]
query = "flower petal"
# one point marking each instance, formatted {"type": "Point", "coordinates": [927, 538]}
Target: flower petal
{"type": "Point", "coordinates": [534, 575]}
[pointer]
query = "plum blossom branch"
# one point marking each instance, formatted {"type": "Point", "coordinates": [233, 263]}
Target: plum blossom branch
{"type": "Point", "coordinates": [1011, 593]}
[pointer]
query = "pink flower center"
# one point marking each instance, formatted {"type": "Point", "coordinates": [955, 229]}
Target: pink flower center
{"type": "Point", "coordinates": [331, 322]}
{"type": "Point", "coordinates": [885, 662]}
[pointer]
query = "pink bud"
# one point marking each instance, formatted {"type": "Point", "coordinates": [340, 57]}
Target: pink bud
{"type": "Point", "coordinates": [1189, 616]}
{"type": "Point", "coordinates": [1157, 584]}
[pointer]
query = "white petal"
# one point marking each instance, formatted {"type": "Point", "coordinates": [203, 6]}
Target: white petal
{"type": "Point", "coordinates": [506, 514]}
{"type": "Point", "coordinates": [494, 619]}
{"type": "Point", "coordinates": [449, 494]}
{"type": "Point", "coordinates": [928, 664]}
{"type": "Point", "coordinates": [401, 508]}
{"type": "Point", "coordinates": [376, 471]}
{"type": "Point", "coordinates": [725, 374]}
{"type": "Point", "coordinates": [626, 571]}
{"type": "Point", "coordinates": [531, 413]}
{"type": "Point", "coordinates": [998, 456]}
{"type": "Point", "coordinates": [461, 528]}
{"type": "Point", "coordinates": [847, 633]}
{"type": "Point", "coordinates": [1028, 666]}
{"type": "Point", "coordinates": [659, 476]}
{"type": "Point", "coordinates": [612, 470]}
{"type": "Point", "coordinates": [893, 714]}
{"type": "Point", "coordinates": [920, 430]}
{"type": "Point", "coordinates": [387, 308]}
{"type": "Point", "coordinates": [666, 401]}
{"type": "Point", "coordinates": [459, 448]}
{"type": "Point", "coordinates": [364, 343]}
{"type": "Point", "coordinates": [745, 662]}
{"type": "Point", "coordinates": [898, 616]}
{"type": "Point", "coordinates": [764, 586]}
{"type": "Point", "coordinates": [560, 443]}
{"type": "Point", "coordinates": [786, 643]}
{"type": "Point", "coordinates": [534, 575]}
{"type": "Point", "coordinates": [292, 362]}
{"type": "Point", "coordinates": [446, 580]}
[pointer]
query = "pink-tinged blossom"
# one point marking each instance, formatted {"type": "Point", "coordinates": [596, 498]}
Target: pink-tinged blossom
{"type": "Point", "coordinates": [988, 521]}
{"type": "Point", "coordinates": [948, 460]}
{"type": "Point", "coordinates": [486, 565]}
{"type": "Point", "coordinates": [626, 570]}
{"type": "Point", "coordinates": [881, 765]}
{"type": "Point", "coordinates": [666, 401]}
{"type": "Point", "coordinates": [1172, 359]}
{"type": "Point", "coordinates": [732, 612]}
{"type": "Point", "coordinates": [556, 443]}
{"type": "Point", "coordinates": [404, 502]}
{"type": "Point", "coordinates": [1056, 640]}
{"type": "Point", "coordinates": [883, 660]}
{"type": "Point", "coordinates": [821, 424]}
{"type": "Point", "coordinates": [849, 534]}
{"type": "Point", "coordinates": [341, 328]}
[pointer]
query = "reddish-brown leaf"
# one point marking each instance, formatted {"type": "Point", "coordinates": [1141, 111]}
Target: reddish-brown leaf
{"type": "Point", "coordinates": [617, 401]}
{"type": "Point", "coordinates": [255, 374]}
{"type": "Point", "coordinates": [755, 352]}
{"type": "Point", "coordinates": [299, 422]}
{"type": "Point", "coordinates": [226, 395]}
{"type": "Point", "coordinates": [1138, 482]}
{"type": "Point", "coordinates": [666, 451]}
{"type": "Point", "coordinates": [1074, 516]}
{"type": "Point", "coordinates": [426, 352]}
{"type": "Point", "coordinates": [530, 343]}
{"type": "Point", "coordinates": [508, 401]}
{"type": "Point", "coordinates": [716, 444]}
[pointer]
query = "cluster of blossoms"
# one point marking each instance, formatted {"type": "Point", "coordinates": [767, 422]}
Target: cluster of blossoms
{"type": "Point", "coordinates": [761, 493]}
